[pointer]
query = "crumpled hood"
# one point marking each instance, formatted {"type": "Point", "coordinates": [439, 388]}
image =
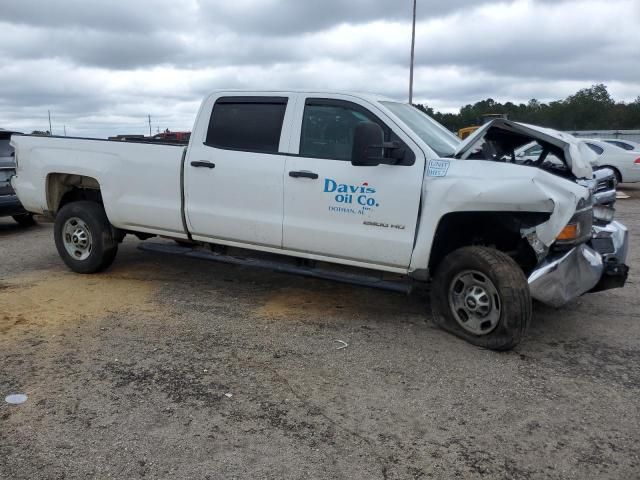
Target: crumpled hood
{"type": "Point", "coordinates": [577, 154]}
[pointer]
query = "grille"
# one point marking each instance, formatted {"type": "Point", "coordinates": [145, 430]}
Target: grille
{"type": "Point", "coordinates": [606, 184]}
{"type": "Point", "coordinates": [603, 245]}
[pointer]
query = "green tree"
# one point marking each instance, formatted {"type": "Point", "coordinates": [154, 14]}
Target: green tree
{"type": "Point", "coordinates": [590, 108]}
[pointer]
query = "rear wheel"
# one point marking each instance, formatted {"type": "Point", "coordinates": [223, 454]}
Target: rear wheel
{"type": "Point", "coordinates": [25, 219]}
{"type": "Point", "coordinates": [481, 295]}
{"type": "Point", "coordinates": [84, 237]}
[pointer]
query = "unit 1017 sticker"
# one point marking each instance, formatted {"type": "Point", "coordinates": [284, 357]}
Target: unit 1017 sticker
{"type": "Point", "coordinates": [353, 199]}
{"type": "Point", "coordinates": [437, 168]}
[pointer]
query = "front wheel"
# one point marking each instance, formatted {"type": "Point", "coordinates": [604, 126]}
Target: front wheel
{"type": "Point", "coordinates": [84, 237]}
{"type": "Point", "coordinates": [481, 295]}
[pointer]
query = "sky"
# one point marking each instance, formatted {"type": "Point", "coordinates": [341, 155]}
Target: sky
{"type": "Point", "coordinates": [101, 67]}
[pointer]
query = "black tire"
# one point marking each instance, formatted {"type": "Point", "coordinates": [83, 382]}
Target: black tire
{"type": "Point", "coordinates": [25, 219]}
{"type": "Point", "coordinates": [104, 245]}
{"type": "Point", "coordinates": [616, 172]}
{"type": "Point", "coordinates": [509, 282]}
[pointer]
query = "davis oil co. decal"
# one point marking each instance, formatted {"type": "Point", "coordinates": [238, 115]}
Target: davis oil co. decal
{"type": "Point", "coordinates": [353, 199]}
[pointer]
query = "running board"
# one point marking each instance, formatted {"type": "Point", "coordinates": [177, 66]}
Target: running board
{"type": "Point", "coordinates": [286, 265]}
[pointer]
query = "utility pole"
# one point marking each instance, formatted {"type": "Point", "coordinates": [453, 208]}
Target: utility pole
{"type": "Point", "coordinates": [413, 48]}
{"type": "Point", "coordinates": [65, 130]}
{"type": "Point", "coordinates": [150, 125]}
{"type": "Point", "coordinates": [50, 129]}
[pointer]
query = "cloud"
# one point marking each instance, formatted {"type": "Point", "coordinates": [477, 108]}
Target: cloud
{"type": "Point", "coordinates": [101, 67]}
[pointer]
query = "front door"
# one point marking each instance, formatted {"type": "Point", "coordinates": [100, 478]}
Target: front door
{"type": "Point", "coordinates": [335, 209]}
{"type": "Point", "coordinates": [234, 173]}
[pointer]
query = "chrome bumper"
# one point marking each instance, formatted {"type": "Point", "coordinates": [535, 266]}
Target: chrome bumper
{"type": "Point", "coordinates": [583, 268]}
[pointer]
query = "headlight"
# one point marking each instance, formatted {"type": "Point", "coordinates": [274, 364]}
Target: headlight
{"type": "Point", "coordinates": [578, 230]}
{"type": "Point", "coordinates": [603, 214]}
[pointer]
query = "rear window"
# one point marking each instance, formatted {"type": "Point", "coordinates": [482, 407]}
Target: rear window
{"type": "Point", "coordinates": [596, 148]}
{"type": "Point", "coordinates": [251, 124]}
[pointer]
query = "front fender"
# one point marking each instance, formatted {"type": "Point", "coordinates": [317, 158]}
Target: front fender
{"type": "Point", "coordinates": [488, 186]}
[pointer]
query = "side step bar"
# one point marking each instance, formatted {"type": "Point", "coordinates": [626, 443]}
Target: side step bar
{"type": "Point", "coordinates": [286, 265]}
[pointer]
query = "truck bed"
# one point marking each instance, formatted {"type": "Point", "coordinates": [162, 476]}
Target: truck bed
{"type": "Point", "coordinates": [139, 181]}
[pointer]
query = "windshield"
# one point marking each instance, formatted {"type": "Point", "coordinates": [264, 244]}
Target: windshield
{"type": "Point", "coordinates": [441, 140]}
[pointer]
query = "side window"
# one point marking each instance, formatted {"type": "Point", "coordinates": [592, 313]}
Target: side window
{"type": "Point", "coordinates": [599, 150]}
{"type": "Point", "coordinates": [626, 146]}
{"type": "Point", "coordinates": [328, 128]}
{"type": "Point", "coordinates": [537, 150]}
{"type": "Point", "coordinates": [251, 124]}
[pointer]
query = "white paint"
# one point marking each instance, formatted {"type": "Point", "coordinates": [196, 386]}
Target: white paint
{"type": "Point", "coordinates": [622, 160]}
{"type": "Point", "coordinates": [249, 200]}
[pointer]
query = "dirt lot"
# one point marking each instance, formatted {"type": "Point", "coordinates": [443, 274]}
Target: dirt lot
{"type": "Point", "coordinates": [168, 368]}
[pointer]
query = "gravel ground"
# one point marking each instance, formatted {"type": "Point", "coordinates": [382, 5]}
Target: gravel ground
{"type": "Point", "coordinates": [171, 368]}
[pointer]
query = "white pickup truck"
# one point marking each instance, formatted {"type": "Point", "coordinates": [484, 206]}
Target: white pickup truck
{"type": "Point", "coordinates": [320, 183]}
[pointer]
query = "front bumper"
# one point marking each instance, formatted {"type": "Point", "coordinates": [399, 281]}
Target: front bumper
{"type": "Point", "coordinates": [10, 205]}
{"type": "Point", "coordinates": [594, 266]}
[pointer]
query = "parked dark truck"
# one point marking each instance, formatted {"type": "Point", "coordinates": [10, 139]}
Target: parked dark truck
{"type": "Point", "coordinates": [10, 206]}
{"type": "Point", "coordinates": [320, 179]}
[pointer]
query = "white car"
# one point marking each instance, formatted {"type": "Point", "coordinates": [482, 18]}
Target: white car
{"type": "Point", "coordinates": [530, 153]}
{"type": "Point", "coordinates": [624, 144]}
{"type": "Point", "coordinates": [351, 179]}
{"type": "Point", "coordinates": [624, 163]}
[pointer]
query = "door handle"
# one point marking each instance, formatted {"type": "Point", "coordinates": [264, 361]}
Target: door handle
{"type": "Point", "coordinates": [303, 174]}
{"type": "Point", "coordinates": [203, 164]}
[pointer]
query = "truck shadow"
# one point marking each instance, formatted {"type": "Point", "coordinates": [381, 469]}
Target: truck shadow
{"type": "Point", "coordinates": [204, 286]}
{"type": "Point", "coordinates": [267, 294]}
{"type": "Point", "coordinates": [8, 228]}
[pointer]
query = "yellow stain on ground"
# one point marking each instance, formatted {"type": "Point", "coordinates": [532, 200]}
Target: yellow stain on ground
{"type": "Point", "coordinates": [50, 298]}
{"type": "Point", "coordinates": [297, 303]}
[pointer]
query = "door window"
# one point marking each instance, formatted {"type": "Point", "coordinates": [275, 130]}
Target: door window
{"type": "Point", "coordinates": [251, 124]}
{"type": "Point", "coordinates": [328, 128]}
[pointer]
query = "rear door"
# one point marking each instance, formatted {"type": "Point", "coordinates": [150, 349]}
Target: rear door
{"type": "Point", "coordinates": [234, 171]}
{"type": "Point", "coordinates": [334, 209]}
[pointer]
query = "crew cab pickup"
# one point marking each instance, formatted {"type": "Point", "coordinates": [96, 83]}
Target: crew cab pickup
{"type": "Point", "coordinates": [354, 187]}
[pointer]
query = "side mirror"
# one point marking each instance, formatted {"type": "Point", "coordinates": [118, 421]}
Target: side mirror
{"type": "Point", "coordinates": [368, 149]}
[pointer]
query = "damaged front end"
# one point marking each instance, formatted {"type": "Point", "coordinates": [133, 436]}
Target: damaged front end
{"type": "Point", "coordinates": [581, 248]}
{"type": "Point", "coordinates": [594, 258]}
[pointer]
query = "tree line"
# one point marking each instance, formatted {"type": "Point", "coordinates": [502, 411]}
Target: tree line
{"type": "Point", "coordinates": [591, 108]}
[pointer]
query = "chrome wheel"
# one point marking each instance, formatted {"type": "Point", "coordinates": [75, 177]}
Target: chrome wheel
{"type": "Point", "coordinates": [475, 302]}
{"type": "Point", "coordinates": [76, 237]}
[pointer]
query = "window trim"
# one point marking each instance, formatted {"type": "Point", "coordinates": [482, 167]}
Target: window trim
{"type": "Point", "coordinates": [410, 156]}
{"type": "Point", "coordinates": [254, 100]}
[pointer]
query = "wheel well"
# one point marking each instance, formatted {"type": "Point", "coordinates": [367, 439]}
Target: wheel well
{"type": "Point", "coordinates": [63, 188]}
{"type": "Point", "coordinates": [499, 230]}
{"type": "Point", "coordinates": [616, 172]}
